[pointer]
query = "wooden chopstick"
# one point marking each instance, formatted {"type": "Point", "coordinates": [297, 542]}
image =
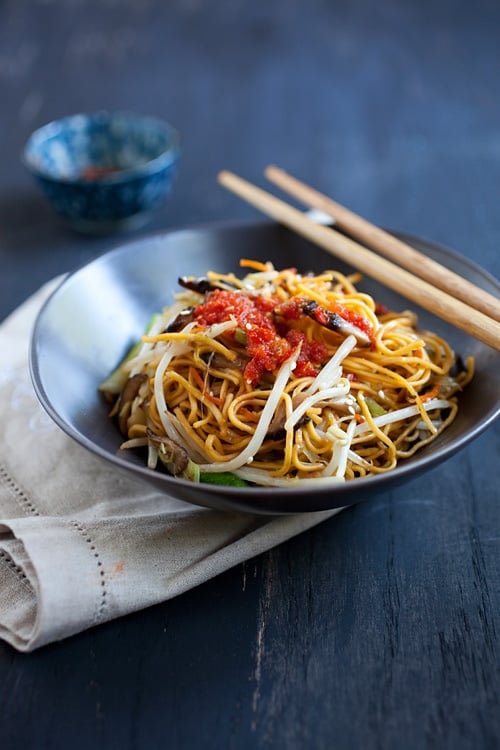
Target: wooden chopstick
{"type": "Point", "coordinates": [391, 247]}
{"type": "Point", "coordinates": [417, 290]}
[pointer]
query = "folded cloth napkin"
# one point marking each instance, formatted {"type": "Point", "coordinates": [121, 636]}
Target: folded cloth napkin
{"type": "Point", "coordinates": [81, 543]}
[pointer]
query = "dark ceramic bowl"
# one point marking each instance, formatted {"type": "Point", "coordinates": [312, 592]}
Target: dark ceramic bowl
{"type": "Point", "coordinates": [112, 298]}
{"type": "Point", "coordinates": [104, 172]}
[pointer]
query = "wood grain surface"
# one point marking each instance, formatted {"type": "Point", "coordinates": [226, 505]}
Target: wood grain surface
{"type": "Point", "coordinates": [379, 629]}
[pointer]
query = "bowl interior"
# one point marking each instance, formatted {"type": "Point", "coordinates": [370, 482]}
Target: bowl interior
{"type": "Point", "coordinates": [98, 312]}
{"type": "Point", "coordinates": [100, 146]}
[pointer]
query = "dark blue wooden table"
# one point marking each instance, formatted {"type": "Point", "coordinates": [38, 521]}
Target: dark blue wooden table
{"type": "Point", "coordinates": [379, 628]}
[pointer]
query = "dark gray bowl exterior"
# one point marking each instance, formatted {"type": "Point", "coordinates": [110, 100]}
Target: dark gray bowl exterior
{"type": "Point", "coordinates": [90, 321]}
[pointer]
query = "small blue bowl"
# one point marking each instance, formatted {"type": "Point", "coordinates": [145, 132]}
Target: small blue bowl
{"type": "Point", "coordinates": [104, 172]}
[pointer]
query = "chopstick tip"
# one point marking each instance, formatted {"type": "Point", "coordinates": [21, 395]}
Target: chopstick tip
{"type": "Point", "coordinates": [271, 169]}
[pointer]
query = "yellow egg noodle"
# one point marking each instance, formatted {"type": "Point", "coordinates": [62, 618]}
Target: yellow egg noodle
{"type": "Point", "coordinates": [283, 379]}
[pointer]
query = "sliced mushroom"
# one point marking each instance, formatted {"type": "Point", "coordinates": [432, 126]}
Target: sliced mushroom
{"type": "Point", "coordinates": [276, 429]}
{"type": "Point", "coordinates": [217, 361]}
{"type": "Point", "coordinates": [200, 285]}
{"type": "Point", "coordinates": [334, 322]}
{"type": "Point", "coordinates": [129, 392]}
{"type": "Point", "coordinates": [181, 320]}
{"type": "Point", "coordinates": [171, 454]}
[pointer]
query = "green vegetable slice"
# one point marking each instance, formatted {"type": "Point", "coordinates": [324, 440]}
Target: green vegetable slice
{"type": "Point", "coordinates": [224, 478]}
{"type": "Point", "coordinates": [375, 409]}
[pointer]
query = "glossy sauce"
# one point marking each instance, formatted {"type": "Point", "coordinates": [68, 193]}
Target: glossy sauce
{"type": "Point", "coordinates": [97, 173]}
{"type": "Point", "coordinates": [266, 346]}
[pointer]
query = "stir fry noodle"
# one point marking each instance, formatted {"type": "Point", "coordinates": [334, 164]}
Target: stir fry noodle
{"type": "Point", "coordinates": [278, 378]}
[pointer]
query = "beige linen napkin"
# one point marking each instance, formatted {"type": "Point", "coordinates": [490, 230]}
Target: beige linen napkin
{"type": "Point", "coordinates": [80, 543]}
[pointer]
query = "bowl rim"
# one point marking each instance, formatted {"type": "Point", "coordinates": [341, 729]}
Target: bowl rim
{"type": "Point", "coordinates": [231, 497]}
{"type": "Point", "coordinates": [165, 159]}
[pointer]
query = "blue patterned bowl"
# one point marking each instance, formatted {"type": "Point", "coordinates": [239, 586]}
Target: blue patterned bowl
{"type": "Point", "coordinates": [104, 172]}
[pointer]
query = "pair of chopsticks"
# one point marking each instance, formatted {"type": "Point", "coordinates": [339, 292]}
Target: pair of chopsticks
{"type": "Point", "coordinates": [408, 272]}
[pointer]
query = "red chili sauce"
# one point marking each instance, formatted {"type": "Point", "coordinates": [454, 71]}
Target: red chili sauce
{"type": "Point", "coordinates": [266, 346]}
{"type": "Point", "coordinates": [356, 319]}
{"type": "Point", "coordinates": [92, 173]}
